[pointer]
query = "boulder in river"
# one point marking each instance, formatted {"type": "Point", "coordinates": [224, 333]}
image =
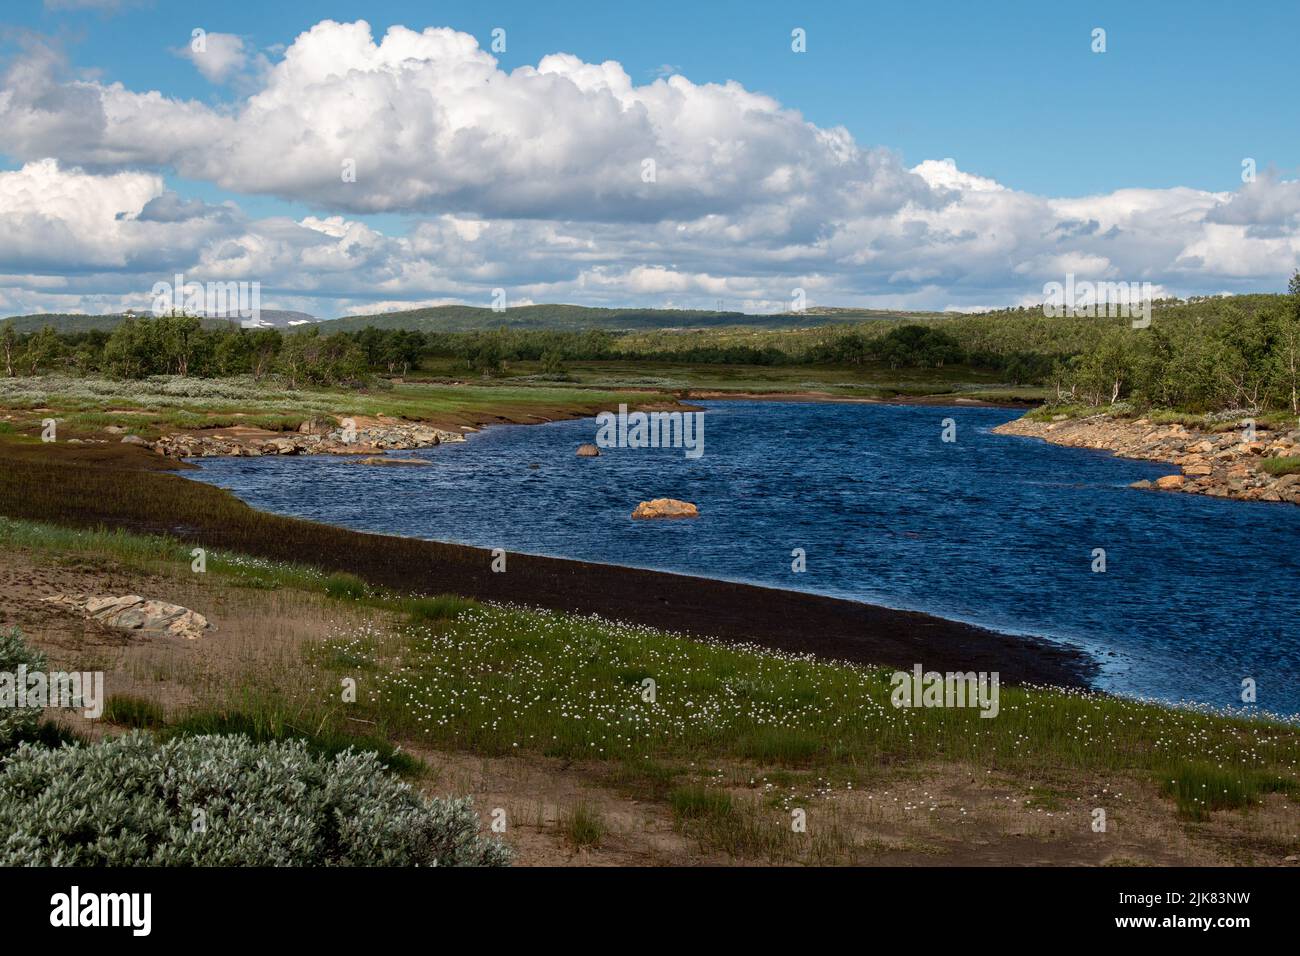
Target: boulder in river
{"type": "Point", "coordinates": [666, 508]}
{"type": "Point", "coordinates": [588, 451]}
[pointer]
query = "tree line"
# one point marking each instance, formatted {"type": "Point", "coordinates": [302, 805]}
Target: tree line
{"type": "Point", "coordinates": [1203, 354]}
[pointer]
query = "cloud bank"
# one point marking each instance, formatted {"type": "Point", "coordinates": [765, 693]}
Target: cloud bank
{"type": "Point", "coordinates": [564, 181]}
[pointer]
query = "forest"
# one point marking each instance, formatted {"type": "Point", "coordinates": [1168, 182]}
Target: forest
{"type": "Point", "coordinates": [1208, 354]}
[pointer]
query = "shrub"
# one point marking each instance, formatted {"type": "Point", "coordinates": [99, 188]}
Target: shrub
{"type": "Point", "coordinates": [17, 723]}
{"type": "Point", "coordinates": [133, 801]}
{"type": "Point", "coordinates": [264, 726]}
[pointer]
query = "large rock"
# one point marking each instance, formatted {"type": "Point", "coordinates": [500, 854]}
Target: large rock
{"type": "Point", "coordinates": [317, 426]}
{"type": "Point", "coordinates": [588, 451]}
{"type": "Point", "coordinates": [666, 508]}
{"type": "Point", "coordinates": [132, 612]}
{"type": "Point", "coordinates": [1171, 482]}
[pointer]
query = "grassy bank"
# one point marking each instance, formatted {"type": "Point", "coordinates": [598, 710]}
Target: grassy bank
{"type": "Point", "coordinates": [728, 740]}
{"type": "Point", "coordinates": [83, 407]}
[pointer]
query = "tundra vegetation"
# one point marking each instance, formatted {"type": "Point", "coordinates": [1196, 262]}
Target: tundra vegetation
{"type": "Point", "coordinates": [726, 738]}
{"type": "Point", "coordinates": [1201, 355]}
{"type": "Point", "coordinates": [193, 798]}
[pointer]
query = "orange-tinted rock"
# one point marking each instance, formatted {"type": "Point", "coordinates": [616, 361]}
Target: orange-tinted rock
{"type": "Point", "coordinates": [666, 508]}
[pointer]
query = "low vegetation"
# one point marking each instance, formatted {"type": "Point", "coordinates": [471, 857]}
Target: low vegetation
{"type": "Point", "coordinates": [654, 709]}
{"type": "Point", "coordinates": [224, 801]}
{"type": "Point", "coordinates": [18, 723]}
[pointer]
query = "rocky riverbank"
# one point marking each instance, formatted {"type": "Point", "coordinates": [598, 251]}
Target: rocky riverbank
{"type": "Point", "coordinates": [1220, 464]}
{"type": "Point", "coordinates": [318, 436]}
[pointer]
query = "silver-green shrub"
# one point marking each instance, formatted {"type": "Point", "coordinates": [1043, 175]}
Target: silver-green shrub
{"type": "Point", "coordinates": [224, 801]}
{"type": "Point", "coordinates": [17, 723]}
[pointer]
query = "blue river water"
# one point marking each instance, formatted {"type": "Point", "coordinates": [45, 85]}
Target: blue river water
{"type": "Point", "coordinates": [1197, 593]}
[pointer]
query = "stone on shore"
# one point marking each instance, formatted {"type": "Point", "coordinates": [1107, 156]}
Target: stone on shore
{"type": "Point", "coordinates": [317, 426]}
{"type": "Point", "coordinates": [1215, 461]}
{"type": "Point", "coordinates": [316, 436]}
{"type": "Point", "coordinates": [666, 508]}
{"type": "Point", "coordinates": [132, 612]}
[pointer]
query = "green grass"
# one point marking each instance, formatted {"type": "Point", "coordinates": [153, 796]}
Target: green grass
{"type": "Point", "coordinates": [443, 607]}
{"type": "Point", "coordinates": [346, 587]}
{"type": "Point", "coordinates": [500, 680]}
{"type": "Point", "coordinates": [136, 712]}
{"type": "Point", "coordinates": [259, 720]}
{"type": "Point", "coordinates": [583, 825]}
{"type": "Point", "coordinates": [166, 403]}
{"type": "Point", "coordinates": [781, 745]}
{"type": "Point", "coordinates": [645, 777]}
{"type": "Point", "coordinates": [696, 802]}
{"type": "Point", "coordinates": [1200, 788]}
{"type": "Point", "coordinates": [145, 552]}
{"type": "Point", "coordinates": [1281, 466]}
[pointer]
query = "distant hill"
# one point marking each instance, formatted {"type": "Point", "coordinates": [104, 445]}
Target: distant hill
{"type": "Point", "coordinates": [75, 322]}
{"type": "Point", "coordinates": [63, 322]}
{"type": "Point", "coordinates": [466, 318]}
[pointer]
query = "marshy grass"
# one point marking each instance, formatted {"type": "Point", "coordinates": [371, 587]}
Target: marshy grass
{"type": "Point", "coordinates": [1200, 788]}
{"type": "Point", "coordinates": [499, 680]}
{"type": "Point", "coordinates": [140, 713]}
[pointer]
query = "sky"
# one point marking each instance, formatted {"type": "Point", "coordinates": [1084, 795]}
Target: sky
{"type": "Point", "coordinates": [355, 157]}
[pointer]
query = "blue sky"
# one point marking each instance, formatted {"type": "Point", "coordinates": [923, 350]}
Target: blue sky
{"type": "Point", "coordinates": [951, 155]}
{"type": "Point", "coordinates": [1010, 90]}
